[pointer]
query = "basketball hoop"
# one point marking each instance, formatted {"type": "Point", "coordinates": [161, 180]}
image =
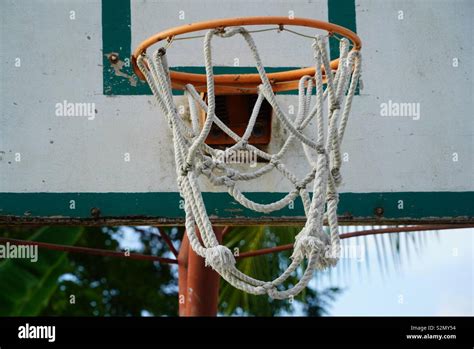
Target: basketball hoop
{"type": "Point", "coordinates": [243, 83]}
{"type": "Point", "coordinates": [194, 158]}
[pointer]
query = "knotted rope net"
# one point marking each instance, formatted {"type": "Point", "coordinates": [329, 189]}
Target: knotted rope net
{"type": "Point", "coordinates": [194, 158]}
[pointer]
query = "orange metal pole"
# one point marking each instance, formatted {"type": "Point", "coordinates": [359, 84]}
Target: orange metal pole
{"type": "Point", "coordinates": [183, 275]}
{"type": "Point", "coordinates": [202, 285]}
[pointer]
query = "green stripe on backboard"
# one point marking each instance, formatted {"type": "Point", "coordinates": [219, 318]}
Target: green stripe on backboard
{"type": "Point", "coordinates": [117, 37]}
{"type": "Point", "coordinates": [416, 205]}
{"type": "Point", "coordinates": [341, 12]}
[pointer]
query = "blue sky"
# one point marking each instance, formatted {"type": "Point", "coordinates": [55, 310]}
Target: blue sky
{"type": "Point", "coordinates": [439, 280]}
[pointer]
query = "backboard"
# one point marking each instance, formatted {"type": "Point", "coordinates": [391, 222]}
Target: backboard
{"type": "Point", "coordinates": [82, 142]}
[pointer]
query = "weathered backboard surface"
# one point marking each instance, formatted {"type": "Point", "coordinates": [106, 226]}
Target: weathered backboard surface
{"type": "Point", "coordinates": [112, 162]}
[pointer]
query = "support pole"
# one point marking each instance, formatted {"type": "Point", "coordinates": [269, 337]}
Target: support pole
{"type": "Point", "coordinates": [201, 288]}
{"type": "Point", "coordinates": [183, 274]}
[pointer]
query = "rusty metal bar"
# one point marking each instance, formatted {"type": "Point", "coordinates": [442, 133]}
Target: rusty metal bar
{"type": "Point", "coordinates": [288, 247]}
{"type": "Point", "coordinates": [92, 251]}
{"type": "Point", "coordinates": [165, 237]}
{"type": "Point", "coordinates": [168, 242]}
{"type": "Point", "coordinates": [217, 221]}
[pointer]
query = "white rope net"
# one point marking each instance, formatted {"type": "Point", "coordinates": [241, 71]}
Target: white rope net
{"type": "Point", "coordinates": [195, 158]}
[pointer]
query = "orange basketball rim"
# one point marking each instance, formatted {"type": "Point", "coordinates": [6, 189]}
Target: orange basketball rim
{"type": "Point", "coordinates": [243, 83]}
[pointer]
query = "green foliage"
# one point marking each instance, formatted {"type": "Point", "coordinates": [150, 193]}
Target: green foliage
{"type": "Point", "coordinates": [108, 286]}
{"type": "Point", "coordinates": [26, 287]}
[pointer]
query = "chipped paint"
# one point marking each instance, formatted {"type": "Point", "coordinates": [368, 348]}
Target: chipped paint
{"type": "Point", "coordinates": [118, 65]}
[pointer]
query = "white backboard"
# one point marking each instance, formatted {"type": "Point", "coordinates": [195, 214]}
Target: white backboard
{"type": "Point", "coordinates": [112, 162]}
